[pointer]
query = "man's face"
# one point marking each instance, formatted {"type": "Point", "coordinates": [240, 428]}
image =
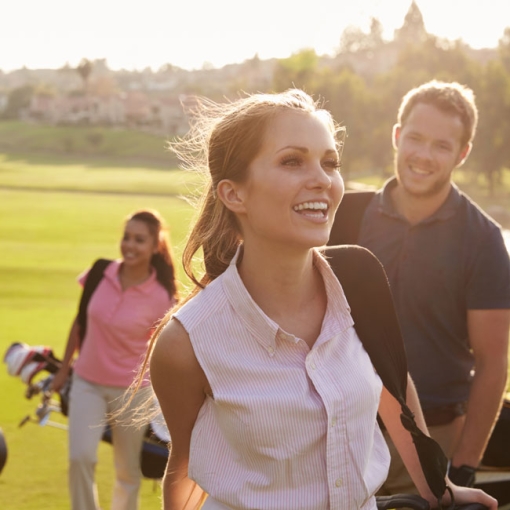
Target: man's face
{"type": "Point", "coordinates": [428, 148]}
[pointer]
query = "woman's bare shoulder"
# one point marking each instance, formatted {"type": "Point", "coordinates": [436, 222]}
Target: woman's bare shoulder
{"type": "Point", "coordinates": [173, 344]}
{"type": "Point", "coordinates": [173, 355]}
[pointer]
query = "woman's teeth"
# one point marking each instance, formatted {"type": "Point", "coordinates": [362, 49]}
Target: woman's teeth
{"type": "Point", "coordinates": [311, 205]}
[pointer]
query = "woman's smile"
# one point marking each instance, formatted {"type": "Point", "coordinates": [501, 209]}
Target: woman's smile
{"type": "Point", "coordinates": [316, 210]}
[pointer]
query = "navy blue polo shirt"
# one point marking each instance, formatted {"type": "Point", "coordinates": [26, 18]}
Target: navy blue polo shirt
{"type": "Point", "coordinates": [451, 262]}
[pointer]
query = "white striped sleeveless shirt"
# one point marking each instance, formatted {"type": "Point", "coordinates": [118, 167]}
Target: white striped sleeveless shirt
{"type": "Point", "coordinates": [289, 427]}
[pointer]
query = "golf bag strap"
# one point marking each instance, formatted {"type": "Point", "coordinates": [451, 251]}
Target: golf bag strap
{"type": "Point", "coordinates": [94, 276]}
{"type": "Point", "coordinates": [367, 290]}
{"type": "Point", "coordinates": [349, 217]}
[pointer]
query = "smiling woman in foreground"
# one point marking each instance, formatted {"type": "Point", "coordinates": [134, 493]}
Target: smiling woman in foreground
{"type": "Point", "coordinates": [269, 396]}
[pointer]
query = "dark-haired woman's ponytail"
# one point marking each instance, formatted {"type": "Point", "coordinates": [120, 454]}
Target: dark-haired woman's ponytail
{"type": "Point", "coordinates": [165, 274]}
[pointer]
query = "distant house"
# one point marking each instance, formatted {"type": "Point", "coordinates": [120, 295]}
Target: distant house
{"type": "Point", "coordinates": [77, 109]}
{"type": "Point", "coordinates": [41, 107]}
{"type": "Point", "coordinates": [137, 108]}
{"type": "Point", "coordinates": [169, 116]}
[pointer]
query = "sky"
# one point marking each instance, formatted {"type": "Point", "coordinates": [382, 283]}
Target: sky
{"type": "Point", "coordinates": [191, 33]}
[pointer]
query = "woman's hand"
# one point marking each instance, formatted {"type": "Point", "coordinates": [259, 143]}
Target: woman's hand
{"type": "Point", "coordinates": [465, 495]}
{"type": "Point", "coordinates": [59, 379]}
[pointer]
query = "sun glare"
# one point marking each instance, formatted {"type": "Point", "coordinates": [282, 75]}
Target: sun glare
{"type": "Point", "coordinates": [188, 34]}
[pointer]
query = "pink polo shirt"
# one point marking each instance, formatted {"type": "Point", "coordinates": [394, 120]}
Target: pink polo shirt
{"type": "Point", "coordinates": [119, 325]}
{"type": "Point", "coordinates": [289, 426]}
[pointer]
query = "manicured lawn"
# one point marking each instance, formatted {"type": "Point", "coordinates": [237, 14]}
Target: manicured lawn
{"type": "Point", "coordinates": [24, 137]}
{"type": "Point", "coordinates": [93, 174]}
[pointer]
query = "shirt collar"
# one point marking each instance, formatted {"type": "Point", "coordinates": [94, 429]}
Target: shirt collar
{"type": "Point", "coordinates": [445, 211]}
{"type": "Point", "coordinates": [112, 273]}
{"type": "Point", "coordinates": [267, 331]}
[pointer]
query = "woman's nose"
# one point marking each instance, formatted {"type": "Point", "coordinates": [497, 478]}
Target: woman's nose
{"type": "Point", "coordinates": [320, 177]}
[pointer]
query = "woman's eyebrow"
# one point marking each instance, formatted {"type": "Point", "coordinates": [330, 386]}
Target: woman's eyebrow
{"type": "Point", "coordinates": [304, 150]}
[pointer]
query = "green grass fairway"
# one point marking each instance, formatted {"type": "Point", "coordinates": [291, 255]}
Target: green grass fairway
{"type": "Point", "coordinates": [81, 141]}
{"type": "Point", "coordinates": [106, 175]}
{"type": "Point", "coordinates": [46, 239]}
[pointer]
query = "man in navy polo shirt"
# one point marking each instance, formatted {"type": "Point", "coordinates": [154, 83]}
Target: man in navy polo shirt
{"type": "Point", "coordinates": [449, 273]}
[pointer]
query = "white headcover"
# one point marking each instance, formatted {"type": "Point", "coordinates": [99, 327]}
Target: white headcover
{"type": "Point", "coordinates": [19, 360]}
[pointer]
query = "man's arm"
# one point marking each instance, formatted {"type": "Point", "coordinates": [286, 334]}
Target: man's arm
{"type": "Point", "coordinates": [389, 410]}
{"type": "Point", "coordinates": [488, 335]}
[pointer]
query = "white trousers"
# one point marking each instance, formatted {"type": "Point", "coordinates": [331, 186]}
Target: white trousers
{"type": "Point", "coordinates": [89, 407]}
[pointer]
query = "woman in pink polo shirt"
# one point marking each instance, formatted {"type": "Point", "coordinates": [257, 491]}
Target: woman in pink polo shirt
{"type": "Point", "coordinates": [134, 293]}
{"type": "Point", "coordinates": [269, 396]}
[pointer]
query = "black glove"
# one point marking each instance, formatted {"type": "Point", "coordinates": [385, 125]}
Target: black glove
{"type": "Point", "coordinates": [463, 475]}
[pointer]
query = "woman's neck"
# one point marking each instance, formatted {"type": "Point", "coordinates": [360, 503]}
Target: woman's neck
{"type": "Point", "coordinates": [288, 289]}
{"type": "Point", "coordinates": [129, 276]}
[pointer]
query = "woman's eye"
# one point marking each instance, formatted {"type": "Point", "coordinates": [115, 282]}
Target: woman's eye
{"type": "Point", "coordinates": [332, 164]}
{"type": "Point", "coordinates": [292, 161]}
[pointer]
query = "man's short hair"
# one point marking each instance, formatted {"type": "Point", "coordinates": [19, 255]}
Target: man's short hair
{"type": "Point", "coordinates": [452, 98]}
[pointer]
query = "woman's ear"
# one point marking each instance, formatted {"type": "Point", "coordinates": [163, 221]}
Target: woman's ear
{"type": "Point", "coordinates": [229, 192]}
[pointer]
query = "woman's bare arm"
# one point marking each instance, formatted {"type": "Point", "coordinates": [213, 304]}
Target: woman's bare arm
{"type": "Point", "coordinates": [71, 347]}
{"type": "Point", "coordinates": [180, 386]}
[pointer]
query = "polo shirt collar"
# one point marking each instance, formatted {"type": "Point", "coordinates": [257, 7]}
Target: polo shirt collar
{"type": "Point", "coordinates": [445, 211]}
{"type": "Point", "coordinates": [267, 331]}
{"type": "Point", "coordinates": [112, 274]}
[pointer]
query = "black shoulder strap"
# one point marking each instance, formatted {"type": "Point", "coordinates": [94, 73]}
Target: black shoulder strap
{"type": "Point", "coordinates": [349, 216]}
{"type": "Point", "coordinates": [367, 290]}
{"type": "Point", "coordinates": [93, 278]}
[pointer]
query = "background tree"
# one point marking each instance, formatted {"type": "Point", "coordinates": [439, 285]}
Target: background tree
{"type": "Point", "coordinates": [18, 99]}
{"type": "Point", "coordinates": [348, 99]}
{"type": "Point", "coordinates": [413, 28]}
{"type": "Point", "coordinates": [491, 150]}
{"type": "Point", "coordinates": [504, 49]}
{"type": "Point", "coordinates": [84, 69]}
{"type": "Point", "coordinates": [354, 40]}
{"type": "Point", "coordinates": [299, 70]}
